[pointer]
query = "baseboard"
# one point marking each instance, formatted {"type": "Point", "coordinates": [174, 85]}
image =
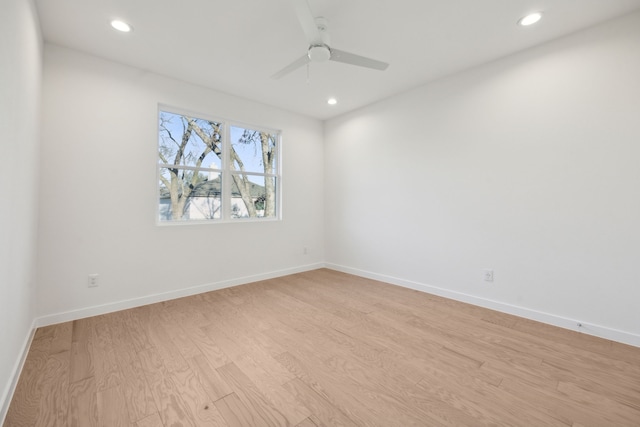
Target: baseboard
{"type": "Point", "coordinates": [166, 296]}
{"type": "Point", "coordinates": [7, 393]}
{"type": "Point", "coordinates": [550, 319]}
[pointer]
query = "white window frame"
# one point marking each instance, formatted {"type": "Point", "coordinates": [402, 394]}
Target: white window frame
{"type": "Point", "coordinates": [225, 170]}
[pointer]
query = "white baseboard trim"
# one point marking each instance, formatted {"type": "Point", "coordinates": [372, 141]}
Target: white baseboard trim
{"type": "Point", "coordinates": [166, 296]}
{"type": "Point", "coordinates": [551, 319]}
{"type": "Point", "coordinates": [9, 390]}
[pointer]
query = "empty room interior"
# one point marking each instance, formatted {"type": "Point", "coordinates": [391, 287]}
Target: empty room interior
{"type": "Point", "coordinates": [320, 213]}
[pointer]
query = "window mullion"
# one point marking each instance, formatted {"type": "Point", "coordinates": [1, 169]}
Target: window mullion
{"type": "Point", "coordinates": [226, 175]}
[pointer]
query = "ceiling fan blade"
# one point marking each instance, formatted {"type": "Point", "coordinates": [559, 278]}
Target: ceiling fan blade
{"type": "Point", "coordinates": [307, 22]}
{"type": "Point", "coordinates": [303, 60]}
{"type": "Point", "coordinates": [353, 59]}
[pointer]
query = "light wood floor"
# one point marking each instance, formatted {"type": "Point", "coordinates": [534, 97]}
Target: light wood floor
{"type": "Point", "coordinates": [322, 348]}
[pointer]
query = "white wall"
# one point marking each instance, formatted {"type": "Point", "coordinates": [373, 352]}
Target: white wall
{"type": "Point", "coordinates": [98, 201]}
{"type": "Point", "coordinates": [20, 77]}
{"type": "Point", "coordinates": [529, 165]}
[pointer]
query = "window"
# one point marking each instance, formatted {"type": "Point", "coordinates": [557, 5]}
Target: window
{"type": "Point", "coordinates": [212, 170]}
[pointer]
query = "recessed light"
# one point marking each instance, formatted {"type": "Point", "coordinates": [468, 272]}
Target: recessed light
{"type": "Point", "coordinates": [121, 25]}
{"type": "Point", "coordinates": [530, 19]}
{"type": "Point", "coordinates": [332, 101]}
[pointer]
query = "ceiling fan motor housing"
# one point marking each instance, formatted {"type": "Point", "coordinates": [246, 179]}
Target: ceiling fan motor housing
{"type": "Point", "coordinates": [319, 53]}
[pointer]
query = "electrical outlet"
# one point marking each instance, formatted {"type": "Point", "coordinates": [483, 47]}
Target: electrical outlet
{"type": "Point", "coordinates": [93, 281]}
{"type": "Point", "coordinates": [487, 275]}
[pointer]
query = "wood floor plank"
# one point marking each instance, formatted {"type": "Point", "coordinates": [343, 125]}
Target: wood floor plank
{"type": "Point", "coordinates": [296, 289]}
{"type": "Point", "coordinates": [270, 386]}
{"type": "Point", "coordinates": [171, 356]}
{"type": "Point", "coordinates": [182, 340]}
{"type": "Point", "coordinates": [404, 394]}
{"type": "Point", "coordinates": [438, 410]}
{"type": "Point", "coordinates": [398, 365]}
{"type": "Point", "coordinates": [236, 414]}
{"type": "Point", "coordinates": [138, 396]}
{"type": "Point", "coordinates": [112, 408]}
{"type": "Point", "coordinates": [615, 390]}
{"type": "Point", "coordinates": [107, 372]}
{"type": "Point", "coordinates": [538, 329]}
{"type": "Point", "coordinates": [186, 335]}
{"type": "Point", "coordinates": [82, 329]}
{"type": "Point", "coordinates": [54, 402]}
{"type": "Point", "coordinates": [81, 363]}
{"type": "Point", "coordinates": [61, 340]}
{"type": "Point", "coordinates": [511, 338]}
{"type": "Point", "coordinates": [125, 348]}
{"type": "Point", "coordinates": [186, 312]}
{"type": "Point", "coordinates": [562, 407]}
{"type": "Point", "coordinates": [137, 323]}
{"type": "Point", "coordinates": [210, 348]}
{"type": "Point", "coordinates": [258, 405]}
{"type": "Point", "coordinates": [328, 414]}
{"type": "Point", "coordinates": [152, 420]}
{"type": "Point", "coordinates": [171, 406]}
{"type": "Point", "coordinates": [475, 399]}
{"type": "Point", "coordinates": [307, 422]}
{"type": "Point", "coordinates": [626, 414]}
{"type": "Point", "coordinates": [293, 305]}
{"type": "Point", "coordinates": [338, 295]}
{"type": "Point", "coordinates": [251, 314]}
{"type": "Point", "coordinates": [26, 399]}
{"type": "Point", "coordinates": [250, 300]}
{"type": "Point", "coordinates": [450, 330]}
{"type": "Point", "coordinates": [214, 385]}
{"type": "Point", "coordinates": [596, 370]}
{"type": "Point", "coordinates": [83, 403]}
{"type": "Point", "coordinates": [322, 348]}
{"type": "Point", "coordinates": [198, 402]}
{"type": "Point", "coordinates": [131, 379]}
{"type": "Point", "coordinates": [44, 332]}
{"type": "Point", "coordinates": [363, 402]}
{"type": "Point", "coordinates": [237, 343]}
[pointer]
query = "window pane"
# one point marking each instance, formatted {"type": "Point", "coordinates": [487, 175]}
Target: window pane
{"type": "Point", "coordinates": [253, 196]}
{"type": "Point", "coordinates": [187, 195]}
{"type": "Point", "coordinates": [253, 151]}
{"type": "Point", "coordinates": [196, 155]}
{"type": "Point", "coordinates": [189, 141]}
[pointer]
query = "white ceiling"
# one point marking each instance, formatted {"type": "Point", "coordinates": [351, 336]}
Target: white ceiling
{"type": "Point", "coordinates": [235, 46]}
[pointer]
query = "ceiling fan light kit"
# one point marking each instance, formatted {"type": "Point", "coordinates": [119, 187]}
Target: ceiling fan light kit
{"type": "Point", "coordinates": [320, 50]}
{"type": "Point", "coordinates": [319, 53]}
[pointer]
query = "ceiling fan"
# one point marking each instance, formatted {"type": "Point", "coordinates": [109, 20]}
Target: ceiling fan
{"type": "Point", "coordinates": [320, 50]}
